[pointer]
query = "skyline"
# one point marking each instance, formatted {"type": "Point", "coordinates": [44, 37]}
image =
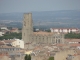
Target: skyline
{"type": "Point", "coordinates": [9, 6]}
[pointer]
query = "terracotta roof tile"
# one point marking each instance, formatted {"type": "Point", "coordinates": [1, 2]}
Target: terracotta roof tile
{"type": "Point", "coordinates": [8, 41]}
{"type": "Point", "coordinates": [2, 43]}
{"type": "Point", "coordinates": [60, 45]}
{"type": "Point", "coordinates": [5, 46]}
{"type": "Point", "coordinates": [72, 40]}
{"type": "Point", "coordinates": [75, 45]}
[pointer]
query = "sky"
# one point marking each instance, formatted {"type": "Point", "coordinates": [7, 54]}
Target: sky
{"type": "Point", "coordinates": [9, 6]}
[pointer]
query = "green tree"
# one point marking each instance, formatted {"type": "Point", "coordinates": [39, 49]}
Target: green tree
{"type": "Point", "coordinates": [51, 58]}
{"type": "Point", "coordinates": [28, 57]}
{"type": "Point", "coordinates": [72, 35]}
{"type": "Point", "coordinates": [48, 30]}
{"type": "Point", "coordinates": [11, 36]}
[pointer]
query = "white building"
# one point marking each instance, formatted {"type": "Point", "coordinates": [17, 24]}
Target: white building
{"type": "Point", "coordinates": [4, 28]}
{"type": "Point", "coordinates": [16, 43]}
{"type": "Point", "coordinates": [1, 33]}
{"type": "Point", "coordinates": [64, 30]}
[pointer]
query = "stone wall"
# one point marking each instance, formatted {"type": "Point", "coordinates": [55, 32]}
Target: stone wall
{"type": "Point", "coordinates": [48, 39]}
{"type": "Point", "coordinates": [62, 55]}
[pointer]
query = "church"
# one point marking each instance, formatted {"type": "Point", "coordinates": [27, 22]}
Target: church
{"type": "Point", "coordinates": [38, 37]}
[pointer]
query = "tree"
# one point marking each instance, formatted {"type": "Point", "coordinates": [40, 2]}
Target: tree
{"type": "Point", "coordinates": [51, 58]}
{"type": "Point", "coordinates": [72, 35]}
{"type": "Point", "coordinates": [27, 57]}
{"type": "Point", "coordinates": [11, 36]}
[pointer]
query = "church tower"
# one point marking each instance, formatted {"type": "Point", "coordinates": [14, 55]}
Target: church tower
{"type": "Point", "coordinates": [27, 29]}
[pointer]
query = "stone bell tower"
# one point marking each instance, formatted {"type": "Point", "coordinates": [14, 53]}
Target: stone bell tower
{"type": "Point", "coordinates": [27, 29]}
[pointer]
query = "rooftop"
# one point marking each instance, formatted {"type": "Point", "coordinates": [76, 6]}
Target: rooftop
{"type": "Point", "coordinates": [8, 41]}
{"type": "Point", "coordinates": [43, 33]}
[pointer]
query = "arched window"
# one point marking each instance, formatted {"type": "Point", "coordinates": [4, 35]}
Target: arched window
{"type": "Point", "coordinates": [58, 40]}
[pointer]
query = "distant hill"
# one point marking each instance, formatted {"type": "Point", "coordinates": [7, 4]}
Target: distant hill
{"type": "Point", "coordinates": [45, 19]}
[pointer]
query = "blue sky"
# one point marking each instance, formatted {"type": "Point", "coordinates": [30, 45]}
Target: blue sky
{"type": "Point", "coordinates": [8, 6]}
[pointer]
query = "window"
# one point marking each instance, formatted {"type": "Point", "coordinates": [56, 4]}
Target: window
{"type": "Point", "coordinates": [13, 49]}
{"type": "Point", "coordinates": [56, 40]}
{"type": "Point", "coordinates": [59, 41]}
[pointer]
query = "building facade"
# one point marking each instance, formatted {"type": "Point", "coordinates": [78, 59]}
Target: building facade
{"type": "Point", "coordinates": [15, 43]}
{"type": "Point", "coordinates": [4, 28]}
{"type": "Point", "coordinates": [14, 30]}
{"type": "Point", "coordinates": [64, 30]}
{"type": "Point", "coordinates": [38, 37]}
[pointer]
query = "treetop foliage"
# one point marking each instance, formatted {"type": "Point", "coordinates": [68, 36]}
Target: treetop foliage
{"type": "Point", "coordinates": [27, 57]}
{"type": "Point", "coordinates": [51, 58]}
{"type": "Point", "coordinates": [73, 35]}
{"type": "Point", "coordinates": [11, 36]}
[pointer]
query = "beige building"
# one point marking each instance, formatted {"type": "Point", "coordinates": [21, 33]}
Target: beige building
{"type": "Point", "coordinates": [14, 30]}
{"type": "Point", "coordinates": [66, 55]}
{"type": "Point", "coordinates": [38, 37]}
